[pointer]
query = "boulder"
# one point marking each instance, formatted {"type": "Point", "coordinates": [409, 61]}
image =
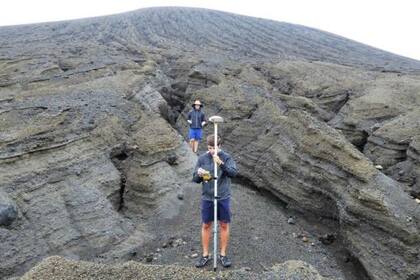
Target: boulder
{"type": "Point", "coordinates": [8, 210]}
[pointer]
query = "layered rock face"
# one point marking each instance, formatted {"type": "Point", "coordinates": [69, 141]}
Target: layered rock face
{"type": "Point", "coordinates": [384, 123]}
{"type": "Point", "coordinates": [308, 164]}
{"type": "Point", "coordinates": [71, 148]}
{"type": "Point", "coordinates": [93, 112]}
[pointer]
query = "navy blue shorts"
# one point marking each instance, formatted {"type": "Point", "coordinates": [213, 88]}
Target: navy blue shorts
{"type": "Point", "coordinates": [195, 133]}
{"type": "Point", "coordinates": [223, 211]}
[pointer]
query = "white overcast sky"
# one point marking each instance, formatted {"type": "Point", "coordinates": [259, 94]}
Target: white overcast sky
{"type": "Point", "coordinates": [386, 24]}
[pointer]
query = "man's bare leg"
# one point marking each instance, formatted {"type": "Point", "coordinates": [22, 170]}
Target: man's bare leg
{"type": "Point", "coordinates": [224, 237]}
{"type": "Point", "coordinates": [195, 146]}
{"type": "Point", "coordinates": [205, 237]}
{"type": "Point", "coordinates": [192, 144]}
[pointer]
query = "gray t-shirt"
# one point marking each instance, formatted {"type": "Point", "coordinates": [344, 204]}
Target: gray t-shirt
{"type": "Point", "coordinates": [224, 173]}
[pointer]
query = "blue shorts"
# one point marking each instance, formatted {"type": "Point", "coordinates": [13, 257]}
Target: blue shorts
{"type": "Point", "coordinates": [195, 133]}
{"type": "Point", "coordinates": [223, 211]}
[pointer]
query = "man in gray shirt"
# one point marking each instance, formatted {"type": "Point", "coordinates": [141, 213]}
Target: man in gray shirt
{"type": "Point", "coordinates": [197, 120]}
{"type": "Point", "coordinates": [203, 173]}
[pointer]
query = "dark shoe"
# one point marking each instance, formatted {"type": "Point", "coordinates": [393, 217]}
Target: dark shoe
{"type": "Point", "coordinates": [225, 261]}
{"type": "Point", "coordinates": [202, 261]}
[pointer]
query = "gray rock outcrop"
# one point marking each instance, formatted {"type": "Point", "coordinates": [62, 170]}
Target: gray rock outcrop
{"type": "Point", "coordinates": [311, 166]}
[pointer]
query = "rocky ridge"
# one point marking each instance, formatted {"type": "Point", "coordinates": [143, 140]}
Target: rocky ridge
{"type": "Point", "coordinates": [93, 112]}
